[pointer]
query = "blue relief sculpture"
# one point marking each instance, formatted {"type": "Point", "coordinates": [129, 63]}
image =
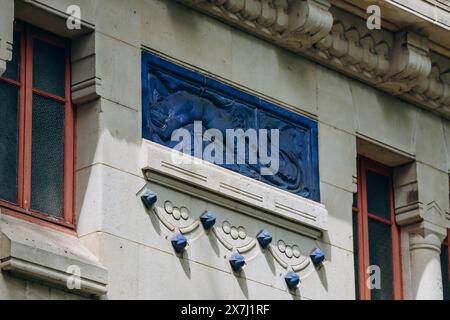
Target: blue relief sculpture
{"type": "Point", "coordinates": [174, 97]}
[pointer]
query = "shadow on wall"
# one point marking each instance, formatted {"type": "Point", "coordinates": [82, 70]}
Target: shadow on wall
{"type": "Point", "coordinates": [106, 135]}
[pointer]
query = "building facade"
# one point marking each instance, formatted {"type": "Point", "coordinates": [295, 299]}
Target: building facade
{"type": "Point", "coordinates": [339, 189]}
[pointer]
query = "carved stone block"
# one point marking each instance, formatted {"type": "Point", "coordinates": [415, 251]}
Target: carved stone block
{"type": "Point", "coordinates": [85, 82]}
{"type": "Point", "coordinates": [309, 22]}
{"type": "Point", "coordinates": [410, 62]}
{"type": "Point", "coordinates": [399, 63]}
{"type": "Point", "coordinates": [421, 194]}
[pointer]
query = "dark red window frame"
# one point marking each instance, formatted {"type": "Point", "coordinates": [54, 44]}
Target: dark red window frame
{"type": "Point", "coordinates": [363, 217]}
{"type": "Point", "coordinates": [25, 84]}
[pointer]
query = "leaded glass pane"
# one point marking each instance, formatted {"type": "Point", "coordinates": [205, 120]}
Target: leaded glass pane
{"type": "Point", "coordinates": [47, 168]}
{"type": "Point", "coordinates": [445, 276]}
{"type": "Point", "coordinates": [380, 253]}
{"type": "Point", "coordinates": [49, 68]}
{"type": "Point", "coordinates": [378, 194]}
{"type": "Point", "coordinates": [9, 124]}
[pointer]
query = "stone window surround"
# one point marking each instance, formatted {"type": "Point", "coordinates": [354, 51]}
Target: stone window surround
{"type": "Point", "coordinates": [365, 164]}
{"type": "Point", "coordinates": [28, 34]}
{"type": "Point", "coordinates": [85, 83]}
{"type": "Point", "coordinates": [27, 249]}
{"type": "Point", "coordinates": [421, 212]}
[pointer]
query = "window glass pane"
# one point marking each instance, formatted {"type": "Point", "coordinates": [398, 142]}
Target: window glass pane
{"type": "Point", "coordinates": [445, 278]}
{"type": "Point", "coordinates": [9, 121]}
{"type": "Point", "coordinates": [47, 167]}
{"type": "Point", "coordinates": [49, 68]}
{"type": "Point", "coordinates": [355, 253]}
{"type": "Point", "coordinates": [380, 253]}
{"type": "Point", "coordinates": [12, 67]}
{"type": "Point", "coordinates": [378, 194]}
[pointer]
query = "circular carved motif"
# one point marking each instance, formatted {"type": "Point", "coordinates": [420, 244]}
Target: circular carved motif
{"type": "Point", "coordinates": [296, 251]}
{"type": "Point", "coordinates": [226, 227]}
{"type": "Point", "coordinates": [176, 213]}
{"type": "Point", "coordinates": [282, 246]}
{"type": "Point", "coordinates": [289, 252]}
{"type": "Point", "coordinates": [168, 206]}
{"type": "Point", "coordinates": [184, 213]}
{"type": "Point", "coordinates": [242, 233]}
{"type": "Point", "coordinates": [234, 233]}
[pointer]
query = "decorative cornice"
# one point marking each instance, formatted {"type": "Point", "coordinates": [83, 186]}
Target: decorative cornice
{"type": "Point", "coordinates": [409, 63]}
{"type": "Point", "coordinates": [399, 63]}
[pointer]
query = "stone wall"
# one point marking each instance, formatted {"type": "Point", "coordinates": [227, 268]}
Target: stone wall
{"type": "Point", "coordinates": [133, 245]}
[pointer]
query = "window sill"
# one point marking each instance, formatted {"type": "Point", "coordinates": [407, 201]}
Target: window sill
{"type": "Point", "coordinates": [237, 192]}
{"type": "Point", "coordinates": [41, 254]}
{"type": "Point", "coordinates": [37, 217]}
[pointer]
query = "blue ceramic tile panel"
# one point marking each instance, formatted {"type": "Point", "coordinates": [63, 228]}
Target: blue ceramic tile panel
{"type": "Point", "coordinates": [174, 97]}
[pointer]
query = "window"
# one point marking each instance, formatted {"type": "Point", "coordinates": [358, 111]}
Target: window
{"type": "Point", "coordinates": [37, 130]}
{"type": "Point", "coordinates": [445, 262]}
{"type": "Point", "coordinates": [376, 236]}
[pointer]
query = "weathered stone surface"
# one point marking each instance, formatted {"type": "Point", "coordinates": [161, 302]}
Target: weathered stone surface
{"type": "Point", "coordinates": [399, 63]}
{"type": "Point", "coordinates": [40, 254]}
{"type": "Point", "coordinates": [117, 233]}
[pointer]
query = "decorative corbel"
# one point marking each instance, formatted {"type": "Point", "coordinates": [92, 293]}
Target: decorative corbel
{"type": "Point", "coordinates": [421, 209]}
{"type": "Point", "coordinates": [194, 2]}
{"type": "Point", "coordinates": [282, 17]}
{"type": "Point", "coordinates": [268, 14]}
{"type": "Point", "coordinates": [86, 85]}
{"type": "Point", "coordinates": [416, 198]}
{"type": "Point", "coordinates": [410, 63]}
{"type": "Point", "coordinates": [6, 33]}
{"type": "Point", "coordinates": [309, 22]}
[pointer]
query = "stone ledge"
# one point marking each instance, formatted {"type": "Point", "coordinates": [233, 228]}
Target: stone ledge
{"type": "Point", "coordinates": [45, 255]}
{"type": "Point", "coordinates": [230, 189]}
